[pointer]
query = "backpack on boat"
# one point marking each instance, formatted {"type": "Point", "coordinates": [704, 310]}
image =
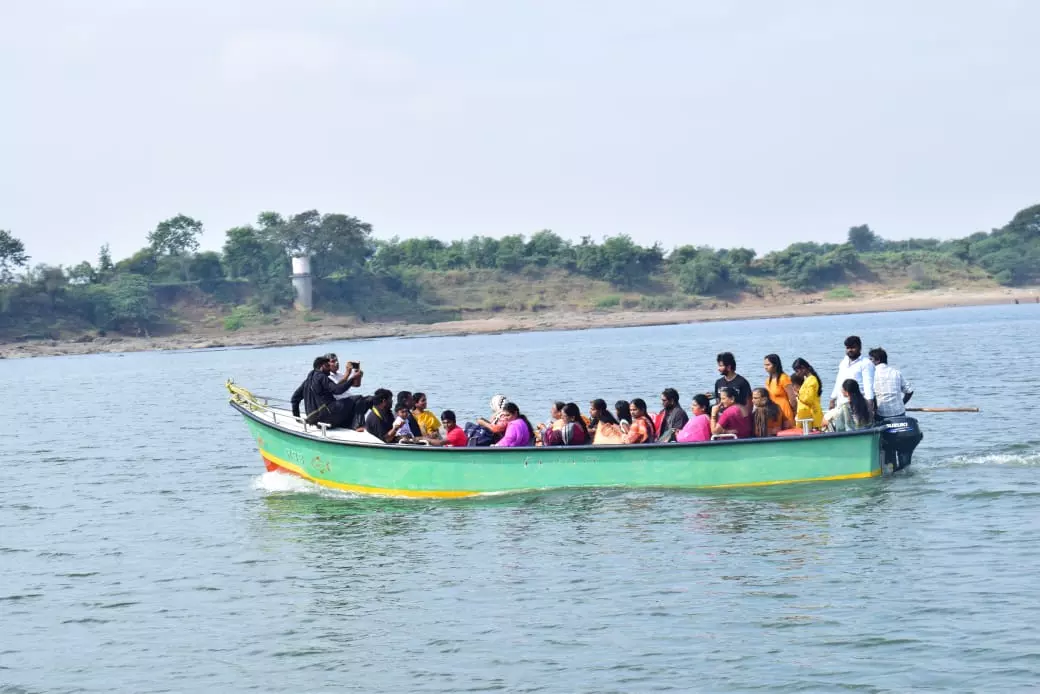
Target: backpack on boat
{"type": "Point", "coordinates": [477, 435]}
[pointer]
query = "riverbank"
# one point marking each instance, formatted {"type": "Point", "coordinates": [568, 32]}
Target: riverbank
{"type": "Point", "coordinates": [332, 328]}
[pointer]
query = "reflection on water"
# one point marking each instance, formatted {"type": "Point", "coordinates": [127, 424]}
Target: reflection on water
{"type": "Point", "coordinates": [148, 551]}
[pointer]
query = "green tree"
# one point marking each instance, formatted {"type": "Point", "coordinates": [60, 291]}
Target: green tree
{"type": "Point", "coordinates": [336, 243]}
{"type": "Point", "coordinates": [83, 273]}
{"type": "Point", "coordinates": [864, 240]}
{"type": "Point", "coordinates": [264, 263]}
{"type": "Point", "coordinates": [12, 255]}
{"type": "Point", "coordinates": [207, 269]}
{"type": "Point", "coordinates": [176, 236]}
{"type": "Point", "coordinates": [130, 302]}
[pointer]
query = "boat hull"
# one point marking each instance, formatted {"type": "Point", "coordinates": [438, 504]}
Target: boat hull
{"type": "Point", "coordinates": [431, 472]}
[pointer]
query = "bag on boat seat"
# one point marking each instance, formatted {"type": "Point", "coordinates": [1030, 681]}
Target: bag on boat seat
{"type": "Point", "coordinates": [477, 435]}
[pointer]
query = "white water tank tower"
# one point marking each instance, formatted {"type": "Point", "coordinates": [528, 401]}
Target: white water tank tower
{"type": "Point", "coordinates": [301, 281]}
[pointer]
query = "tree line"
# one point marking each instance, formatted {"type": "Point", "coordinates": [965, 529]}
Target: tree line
{"type": "Point", "coordinates": [254, 265]}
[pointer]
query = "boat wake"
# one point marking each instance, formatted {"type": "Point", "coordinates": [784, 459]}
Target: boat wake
{"type": "Point", "coordinates": [282, 483]}
{"type": "Point", "coordinates": [1014, 459]}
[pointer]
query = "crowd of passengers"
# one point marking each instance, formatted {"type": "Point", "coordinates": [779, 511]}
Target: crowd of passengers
{"type": "Point", "coordinates": [866, 390]}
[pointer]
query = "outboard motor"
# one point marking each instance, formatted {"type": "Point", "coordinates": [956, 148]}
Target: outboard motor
{"type": "Point", "coordinates": [899, 438]}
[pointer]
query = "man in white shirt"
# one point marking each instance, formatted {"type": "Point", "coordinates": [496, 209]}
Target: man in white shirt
{"type": "Point", "coordinates": [891, 390]}
{"type": "Point", "coordinates": [352, 373]}
{"type": "Point", "coordinates": [858, 368]}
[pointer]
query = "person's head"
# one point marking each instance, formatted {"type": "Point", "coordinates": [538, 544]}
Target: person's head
{"type": "Point", "coordinates": [853, 346]}
{"type": "Point", "coordinates": [510, 411]}
{"type": "Point", "coordinates": [405, 397]}
{"type": "Point", "coordinates": [727, 363]}
{"type": "Point", "coordinates": [419, 401]}
{"type": "Point", "coordinates": [772, 365]}
{"type": "Point", "coordinates": [850, 388]}
{"type": "Point", "coordinates": [401, 410]}
{"type": "Point", "coordinates": [878, 356]}
{"type": "Point", "coordinates": [597, 407]}
{"type": "Point", "coordinates": [797, 379]}
{"type": "Point", "coordinates": [669, 398]}
{"type": "Point", "coordinates": [760, 397]}
{"type": "Point", "coordinates": [381, 398]}
{"type": "Point", "coordinates": [623, 411]}
{"type": "Point", "coordinates": [803, 370]}
{"type": "Point", "coordinates": [701, 404]}
{"type": "Point", "coordinates": [448, 419]}
{"type": "Point", "coordinates": [497, 402]}
{"type": "Point", "coordinates": [556, 409]}
{"type": "Point", "coordinates": [637, 408]}
{"type": "Point", "coordinates": [571, 412]}
{"type": "Point", "coordinates": [727, 396]}
{"type": "Point", "coordinates": [333, 361]}
{"type": "Point", "coordinates": [322, 364]}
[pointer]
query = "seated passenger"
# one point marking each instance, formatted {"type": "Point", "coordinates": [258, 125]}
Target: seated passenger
{"type": "Point", "coordinates": [454, 436]}
{"type": "Point", "coordinates": [379, 421]}
{"type": "Point", "coordinates": [642, 428]}
{"type": "Point", "coordinates": [852, 414]}
{"type": "Point", "coordinates": [767, 417]}
{"type": "Point", "coordinates": [318, 395]}
{"type": "Point", "coordinates": [404, 429]}
{"type": "Point", "coordinates": [497, 424]}
{"type": "Point", "coordinates": [672, 416]}
{"type": "Point", "coordinates": [429, 425]}
{"type": "Point", "coordinates": [519, 431]}
{"type": "Point", "coordinates": [699, 426]}
{"type": "Point", "coordinates": [555, 420]}
{"type": "Point", "coordinates": [623, 411]}
{"type": "Point", "coordinates": [408, 400]}
{"type": "Point", "coordinates": [599, 413]}
{"type": "Point", "coordinates": [728, 417]}
{"type": "Point", "coordinates": [574, 432]}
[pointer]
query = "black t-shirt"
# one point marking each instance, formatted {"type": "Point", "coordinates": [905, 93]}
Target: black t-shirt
{"type": "Point", "coordinates": [378, 423]}
{"type": "Point", "coordinates": [739, 384]}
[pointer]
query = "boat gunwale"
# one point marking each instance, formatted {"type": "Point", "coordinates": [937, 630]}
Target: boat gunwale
{"type": "Point", "coordinates": [874, 430]}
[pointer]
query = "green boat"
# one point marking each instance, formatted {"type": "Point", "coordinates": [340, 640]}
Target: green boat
{"type": "Point", "coordinates": [357, 462]}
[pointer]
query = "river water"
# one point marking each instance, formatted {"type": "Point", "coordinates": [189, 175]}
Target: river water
{"type": "Point", "coordinates": [143, 549]}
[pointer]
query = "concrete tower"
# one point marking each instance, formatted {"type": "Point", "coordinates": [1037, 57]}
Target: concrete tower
{"type": "Point", "coordinates": [301, 281]}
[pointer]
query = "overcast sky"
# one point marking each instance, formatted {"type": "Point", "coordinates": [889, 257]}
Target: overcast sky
{"type": "Point", "coordinates": [723, 123]}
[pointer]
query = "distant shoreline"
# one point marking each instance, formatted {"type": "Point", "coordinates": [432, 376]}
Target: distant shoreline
{"type": "Point", "coordinates": [297, 333]}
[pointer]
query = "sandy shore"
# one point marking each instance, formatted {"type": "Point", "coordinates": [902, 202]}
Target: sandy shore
{"type": "Point", "coordinates": [298, 333]}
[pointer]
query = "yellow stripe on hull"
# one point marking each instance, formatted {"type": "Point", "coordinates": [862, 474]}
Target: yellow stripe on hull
{"type": "Point", "coordinates": [360, 489]}
{"type": "Point", "coordinates": [834, 478]}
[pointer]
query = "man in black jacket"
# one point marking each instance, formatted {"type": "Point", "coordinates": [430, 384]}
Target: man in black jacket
{"type": "Point", "coordinates": [318, 394]}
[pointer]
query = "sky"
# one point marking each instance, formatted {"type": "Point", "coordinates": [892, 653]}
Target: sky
{"type": "Point", "coordinates": [753, 123]}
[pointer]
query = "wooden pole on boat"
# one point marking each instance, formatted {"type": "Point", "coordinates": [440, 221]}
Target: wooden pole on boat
{"type": "Point", "coordinates": [942, 409]}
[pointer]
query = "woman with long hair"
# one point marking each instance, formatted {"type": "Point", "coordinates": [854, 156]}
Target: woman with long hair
{"type": "Point", "coordinates": [519, 431]}
{"type": "Point", "coordinates": [808, 393]}
{"type": "Point", "coordinates": [727, 417]}
{"type": "Point", "coordinates": [642, 428]}
{"type": "Point", "coordinates": [854, 414]}
{"type": "Point", "coordinates": [599, 413]}
{"type": "Point", "coordinates": [779, 388]}
{"type": "Point", "coordinates": [767, 418]}
{"type": "Point", "coordinates": [573, 432]}
{"type": "Point", "coordinates": [623, 410]}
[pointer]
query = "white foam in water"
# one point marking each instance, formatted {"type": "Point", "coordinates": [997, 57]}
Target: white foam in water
{"type": "Point", "coordinates": [1024, 459]}
{"type": "Point", "coordinates": [281, 483]}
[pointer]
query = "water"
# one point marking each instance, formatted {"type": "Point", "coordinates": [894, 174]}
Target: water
{"type": "Point", "coordinates": [141, 548]}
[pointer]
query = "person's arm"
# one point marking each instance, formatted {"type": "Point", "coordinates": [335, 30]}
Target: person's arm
{"type": "Point", "coordinates": [510, 438]}
{"type": "Point", "coordinates": [297, 397]}
{"type": "Point", "coordinates": [868, 385]}
{"type": "Point", "coordinates": [792, 395]}
{"type": "Point", "coordinates": [908, 390]}
{"type": "Point", "coordinates": [341, 387]}
{"type": "Point", "coordinates": [637, 433]}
